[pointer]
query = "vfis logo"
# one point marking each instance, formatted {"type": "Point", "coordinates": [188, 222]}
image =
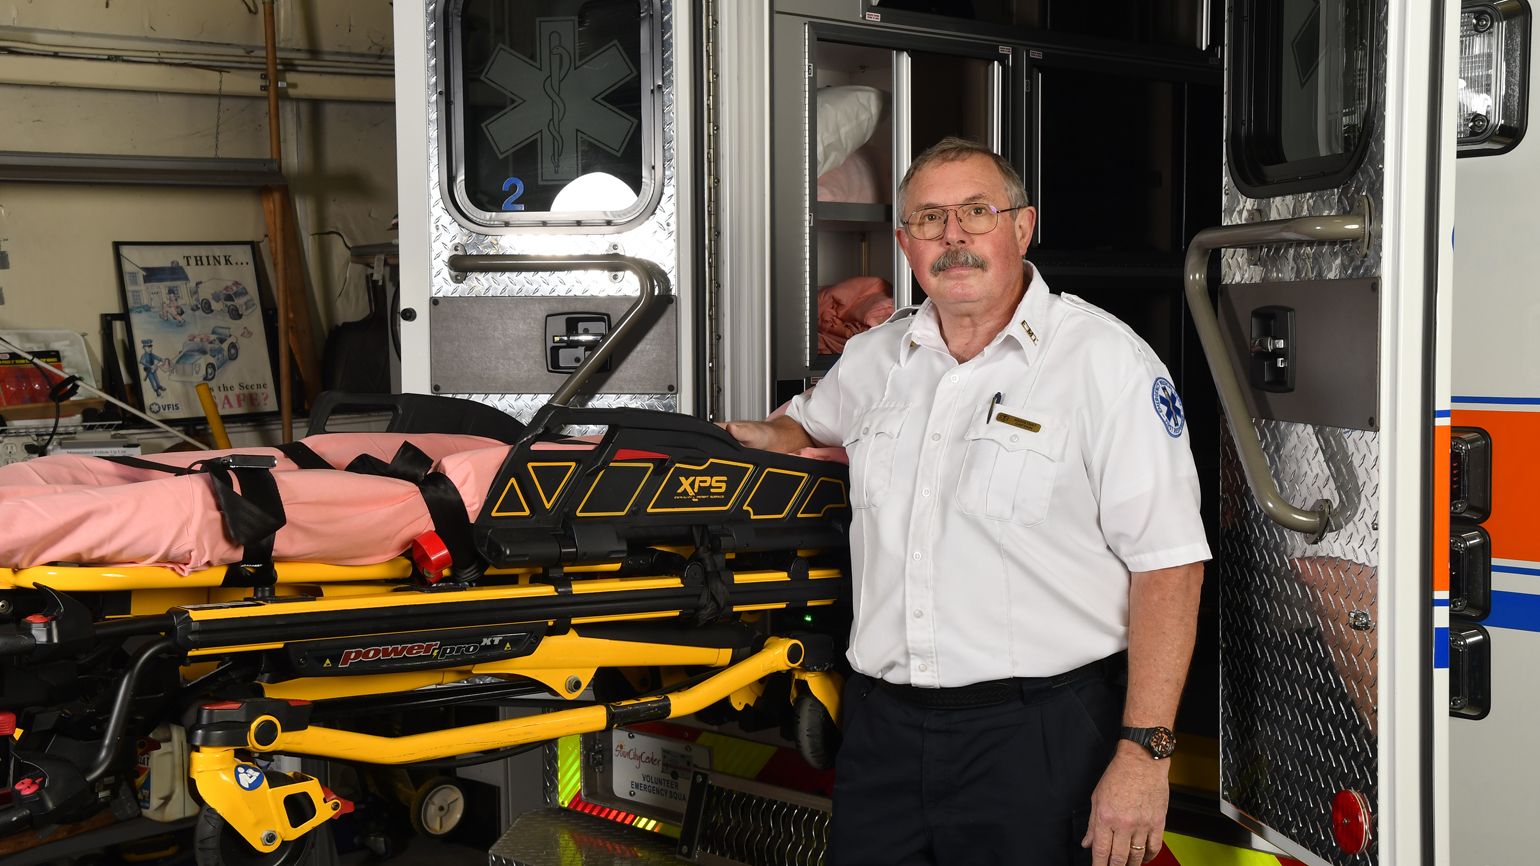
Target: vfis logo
{"type": "Point", "coordinates": [697, 487]}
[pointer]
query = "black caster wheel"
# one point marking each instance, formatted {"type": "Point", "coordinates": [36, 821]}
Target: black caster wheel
{"type": "Point", "coordinates": [818, 738]}
{"type": "Point", "coordinates": [215, 843]}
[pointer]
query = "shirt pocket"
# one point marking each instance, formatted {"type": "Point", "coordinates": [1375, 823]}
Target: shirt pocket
{"type": "Point", "coordinates": [1011, 463]}
{"type": "Point", "coordinates": [872, 445]}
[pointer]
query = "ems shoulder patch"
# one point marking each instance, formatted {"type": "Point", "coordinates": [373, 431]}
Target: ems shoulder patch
{"type": "Point", "coordinates": [1168, 406]}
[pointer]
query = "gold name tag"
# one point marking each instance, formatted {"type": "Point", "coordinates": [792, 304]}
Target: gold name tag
{"type": "Point", "coordinates": [1029, 426]}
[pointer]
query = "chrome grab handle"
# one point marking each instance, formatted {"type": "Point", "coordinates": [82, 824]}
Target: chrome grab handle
{"type": "Point", "coordinates": [1316, 520]}
{"type": "Point", "coordinates": [653, 281]}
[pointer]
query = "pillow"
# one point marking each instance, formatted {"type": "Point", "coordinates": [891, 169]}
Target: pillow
{"type": "Point", "coordinates": [854, 180]}
{"type": "Point", "coordinates": [848, 114]}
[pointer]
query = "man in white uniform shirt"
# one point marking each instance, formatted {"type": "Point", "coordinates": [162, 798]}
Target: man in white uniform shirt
{"type": "Point", "coordinates": [1027, 547]}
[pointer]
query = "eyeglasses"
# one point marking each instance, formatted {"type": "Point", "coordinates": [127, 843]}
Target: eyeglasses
{"type": "Point", "coordinates": [929, 223]}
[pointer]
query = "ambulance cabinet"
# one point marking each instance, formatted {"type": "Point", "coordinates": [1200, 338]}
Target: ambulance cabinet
{"type": "Point", "coordinates": [1182, 23]}
{"type": "Point", "coordinates": [851, 107]}
{"type": "Point", "coordinates": [1117, 137]}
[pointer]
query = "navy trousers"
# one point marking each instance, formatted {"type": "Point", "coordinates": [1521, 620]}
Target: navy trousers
{"type": "Point", "coordinates": [1004, 784]}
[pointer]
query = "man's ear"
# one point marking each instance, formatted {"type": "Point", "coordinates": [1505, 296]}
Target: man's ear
{"type": "Point", "coordinates": [903, 240]}
{"type": "Point", "coordinates": [1026, 223]}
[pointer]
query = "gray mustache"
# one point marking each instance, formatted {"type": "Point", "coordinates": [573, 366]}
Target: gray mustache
{"type": "Point", "coordinates": [958, 257]}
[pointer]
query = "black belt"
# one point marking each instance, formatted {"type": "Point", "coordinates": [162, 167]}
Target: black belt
{"type": "Point", "coordinates": [994, 692]}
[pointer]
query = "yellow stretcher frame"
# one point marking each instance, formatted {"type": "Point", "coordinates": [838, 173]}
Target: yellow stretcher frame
{"type": "Point", "coordinates": [260, 817]}
{"type": "Point", "coordinates": [564, 661]}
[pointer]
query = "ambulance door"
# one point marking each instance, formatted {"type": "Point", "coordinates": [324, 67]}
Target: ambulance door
{"type": "Point", "coordinates": [1494, 598]}
{"type": "Point", "coordinates": [1314, 302]}
{"type": "Point", "coordinates": [547, 195]}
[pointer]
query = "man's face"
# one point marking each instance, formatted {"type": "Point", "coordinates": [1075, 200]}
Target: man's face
{"type": "Point", "coordinates": [959, 271]}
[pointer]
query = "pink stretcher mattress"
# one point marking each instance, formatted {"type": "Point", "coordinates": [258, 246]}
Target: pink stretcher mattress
{"type": "Point", "coordinates": [89, 510]}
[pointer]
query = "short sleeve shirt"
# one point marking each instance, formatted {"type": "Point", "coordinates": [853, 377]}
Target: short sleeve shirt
{"type": "Point", "coordinates": [1001, 504]}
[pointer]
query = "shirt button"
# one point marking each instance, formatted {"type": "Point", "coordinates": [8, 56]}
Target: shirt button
{"type": "Point", "coordinates": [935, 437]}
{"type": "Point", "coordinates": [1014, 437]}
{"type": "Point", "coordinates": [918, 614]}
{"type": "Point", "coordinates": [925, 492]}
{"type": "Point", "coordinates": [865, 430]}
{"type": "Point", "coordinates": [916, 555]}
{"type": "Point", "coordinates": [954, 377]}
{"type": "Point", "coordinates": [923, 667]}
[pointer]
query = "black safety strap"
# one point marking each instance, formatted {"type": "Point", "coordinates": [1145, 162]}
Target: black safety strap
{"type": "Point", "coordinates": [445, 506]}
{"type": "Point", "coordinates": [253, 514]}
{"type": "Point", "coordinates": [709, 567]}
{"type": "Point", "coordinates": [303, 456]}
{"type": "Point", "coordinates": [141, 463]}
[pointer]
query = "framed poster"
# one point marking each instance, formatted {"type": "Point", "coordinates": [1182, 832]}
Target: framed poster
{"type": "Point", "coordinates": [195, 315]}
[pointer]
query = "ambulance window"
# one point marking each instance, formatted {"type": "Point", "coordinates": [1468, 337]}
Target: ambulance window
{"type": "Point", "coordinates": [549, 111]}
{"type": "Point", "coordinates": [1494, 71]}
{"type": "Point", "coordinates": [1302, 79]}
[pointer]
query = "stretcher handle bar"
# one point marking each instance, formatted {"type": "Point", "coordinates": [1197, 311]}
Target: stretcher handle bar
{"type": "Point", "coordinates": [653, 281]}
{"type": "Point", "coordinates": [121, 704]}
{"type": "Point", "coordinates": [1316, 521]}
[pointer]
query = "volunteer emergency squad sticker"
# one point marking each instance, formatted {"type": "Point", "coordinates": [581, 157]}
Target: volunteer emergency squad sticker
{"type": "Point", "coordinates": [1168, 406]}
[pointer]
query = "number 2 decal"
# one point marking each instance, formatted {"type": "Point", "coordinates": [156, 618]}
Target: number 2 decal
{"type": "Point", "coordinates": [518, 190]}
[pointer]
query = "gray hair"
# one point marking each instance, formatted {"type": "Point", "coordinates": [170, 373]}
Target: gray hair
{"type": "Point", "coordinates": [954, 149]}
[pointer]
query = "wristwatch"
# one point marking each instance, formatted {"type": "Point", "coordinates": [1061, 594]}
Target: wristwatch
{"type": "Point", "coordinates": [1160, 742]}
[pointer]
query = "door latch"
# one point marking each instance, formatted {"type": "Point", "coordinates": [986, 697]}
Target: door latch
{"type": "Point", "coordinates": [569, 337]}
{"type": "Point", "coordinates": [1272, 349]}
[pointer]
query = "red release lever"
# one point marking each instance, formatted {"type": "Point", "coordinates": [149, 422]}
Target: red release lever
{"type": "Point", "coordinates": [7, 723]}
{"type": "Point", "coordinates": [431, 556]}
{"type": "Point", "coordinates": [328, 795]}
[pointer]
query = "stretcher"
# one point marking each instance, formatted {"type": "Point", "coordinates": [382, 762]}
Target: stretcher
{"type": "Point", "coordinates": [649, 573]}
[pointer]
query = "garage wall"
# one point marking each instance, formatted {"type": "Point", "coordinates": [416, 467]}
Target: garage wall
{"type": "Point", "coordinates": [183, 78]}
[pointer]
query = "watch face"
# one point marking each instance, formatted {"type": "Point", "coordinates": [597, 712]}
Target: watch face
{"type": "Point", "coordinates": [1162, 742]}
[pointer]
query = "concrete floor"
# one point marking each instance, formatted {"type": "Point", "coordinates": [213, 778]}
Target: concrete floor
{"type": "Point", "coordinates": [421, 851]}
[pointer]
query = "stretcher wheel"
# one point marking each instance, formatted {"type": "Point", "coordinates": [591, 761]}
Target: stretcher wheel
{"type": "Point", "coordinates": [818, 738]}
{"type": "Point", "coordinates": [215, 843]}
{"type": "Point", "coordinates": [438, 807]}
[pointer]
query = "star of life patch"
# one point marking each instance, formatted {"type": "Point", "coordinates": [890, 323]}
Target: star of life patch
{"type": "Point", "coordinates": [1168, 406]}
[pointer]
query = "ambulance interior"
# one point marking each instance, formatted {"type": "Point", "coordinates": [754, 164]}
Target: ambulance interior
{"type": "Point", "coordinates": [1111, 113]}
{"type": "Point", "coordinates": [1115, 116]}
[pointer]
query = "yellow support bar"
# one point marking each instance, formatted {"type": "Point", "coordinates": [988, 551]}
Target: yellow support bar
{"type": "Point", "coordinates": [558, 657]}
{"type": "Point", "coordinates": [779, 654]}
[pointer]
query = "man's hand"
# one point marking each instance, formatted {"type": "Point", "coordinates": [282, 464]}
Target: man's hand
{"type": "Point", "coordinates": [778, 434]}
{"type": "Point", "coordinates": [1128, 809]}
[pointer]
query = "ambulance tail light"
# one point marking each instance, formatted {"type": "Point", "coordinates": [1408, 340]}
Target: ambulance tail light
{"type": "Point", "coordinates": [1470, 572]}
{"type": "Point", "coordinates": [1470, 474]}
{"type": "Point", "coordinates": [1470, 671]}
{"type": "Point", "coordinates": [1494, 71]}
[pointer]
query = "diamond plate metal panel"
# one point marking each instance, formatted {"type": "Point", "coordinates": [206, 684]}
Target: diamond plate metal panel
{"type": "Point", "coordinates": [1316, 261]}
{"type": "Point", "coordinates": [1298, 683]}
{"type": "Point", "coordinates": [742, 827]}
{"type": "Point", "coordinates": [558, 837]}
{"type": "Point", "coordinates": [653, 239]}
{"type": "Point", "coordinates": [524, 406]}
{"type": "Point", "coordinates": [1298, 680]}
